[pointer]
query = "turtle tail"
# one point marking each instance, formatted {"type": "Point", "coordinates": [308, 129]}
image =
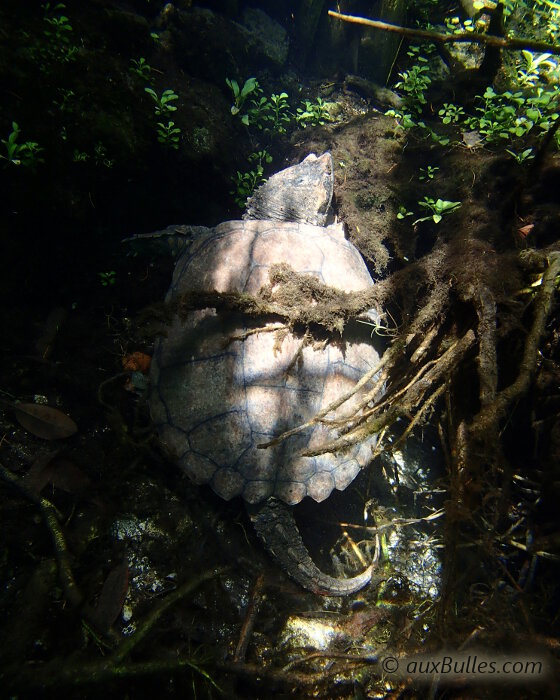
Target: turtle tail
{"type": "Point", "coordinates": [274, 523]}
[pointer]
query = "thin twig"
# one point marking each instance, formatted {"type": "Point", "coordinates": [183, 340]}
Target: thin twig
{"type": "Point", "coordinates": [250, 619]}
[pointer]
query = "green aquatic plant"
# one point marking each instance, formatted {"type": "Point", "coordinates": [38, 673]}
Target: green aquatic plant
{"type": "Point", "coordinates": [451, 113]}
{"type": "Point", "coordinates": [58, 46]}
{"type": "Point", "coordinates": [273, 113]}
{"type": "Point", "coordinates": [521, 157]}
{"type": "Point", "coordinates": [107, 279]}
{"type": "Point", "coordinates": [438, 208]}
{"type": "Point", "coordinates": [79, 156]}
{"type": "Point", "coordinates": [26, 153]}
{"type": "Point", "coordinates": [258, 114]}
{"type": "Point", "coordinates": [529, 74]}
{"type": "Point", "coordinates": [168, 134]}
{"type": "Point", "coordinates": [240, 95]}
{"type": "Point", "coordinates": [269, 113]}
{"type": "Point", "coordinates": [456, 26]}
{"type": "Point", "coordinates": [245, 183]}
{"type": "Point", "coordinates": [313, 113]}
{"type": "Point", "coordinates": [279, 112]}
{"type": "Point", "coordinates": [428, 173]}
{"type": "Point", "coordinates": [101, 156]}
{"type": "Point", "coordinates": [66, 99]}
{"type": "Point", "coordinates": [403, 212]}
{"type": "Point", "coordinates": [413, 85]}
{"type": "Point", "coordinates": [141, 68]}
{"type": "Point", "coordinates": [163, 102]}
{"type": "Point", "coordinates": [508, 115]}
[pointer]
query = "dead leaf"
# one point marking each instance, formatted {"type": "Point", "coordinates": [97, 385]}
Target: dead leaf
{"type": "Point", "coordinates": [69, 477]}
{"type": "Point", "coordinates": [60, 472]}
{"type": "Point", "coordinates": [112, 596]}
{"type": "Point", "coordinates": [44, 421]}
{"type": "Point", "coordinates": [40, 472]}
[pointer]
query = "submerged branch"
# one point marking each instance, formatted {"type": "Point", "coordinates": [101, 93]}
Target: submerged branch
{"type": "Point", "coordinates": [508, 43]}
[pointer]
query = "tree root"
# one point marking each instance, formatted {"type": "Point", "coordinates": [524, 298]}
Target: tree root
{"type": "Point", "coordinates": [494, 411]}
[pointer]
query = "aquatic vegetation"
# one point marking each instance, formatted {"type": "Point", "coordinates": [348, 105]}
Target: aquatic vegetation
{"type": "Point", "coordinates": [101, 156]}
{"type": "Point", "coordinates": [413, 84]}
{"type": "Point", "coordinates": [273, 113]}
{"type": "Point", "coordinates": [168, 134]}
{"type": "Point", "coordinates": [107, 279]}
{"type": "Point", "coordinates": [428, 173]}
{"type": "Point", "coordinates": [313, 113]}
{"type": "Point", "coordinates": [527, 154]}
{"type": "Point", "coordinates": [403, 212]}
{"type": "Point", "coordinates": [451, 113]}
{"type": "Point", "coordinates": [279, 114]}
{"type": "Point", "coordinates": [264, 112]}
{"type": "Point", "coordinates": [438, 208]}
{"type": "Point", "coordinates": [529, 74]}
{"type": "Point", "coordinates": [66, 99]}
{"type": "Point", "coordinates": [26, 153]}
{"type": "Point", "coordinates": [497, 117]}
{"type": "Point", "coordinates": [163, 102]}
{"type": "Point", "coordinates": [141, 68]}
{"type": "Point", "coordinates": [240, 95]}
{"type": "Point", "coordinates": [245, 183]}
{"type": "Point", "coordinates": [513, 114]}
{"type": "Point", "coordinates": [58, 46]}
{"type": "Point", "coordinates": [79, 156]}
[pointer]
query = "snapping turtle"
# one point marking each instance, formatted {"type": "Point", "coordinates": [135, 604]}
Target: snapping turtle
{"type": "Point", "coordinates": [221, 389]}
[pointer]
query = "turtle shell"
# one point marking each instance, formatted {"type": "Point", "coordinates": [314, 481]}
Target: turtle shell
{"type": "Point", "coordinates": [216, 396]}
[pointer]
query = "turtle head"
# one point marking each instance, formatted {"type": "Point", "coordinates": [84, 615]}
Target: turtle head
{"type": "Point", "coordinates": [302, 193]}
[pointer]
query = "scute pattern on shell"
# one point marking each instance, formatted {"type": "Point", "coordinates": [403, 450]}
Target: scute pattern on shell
{"type": "Point", "coordinates": [215, 401]}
